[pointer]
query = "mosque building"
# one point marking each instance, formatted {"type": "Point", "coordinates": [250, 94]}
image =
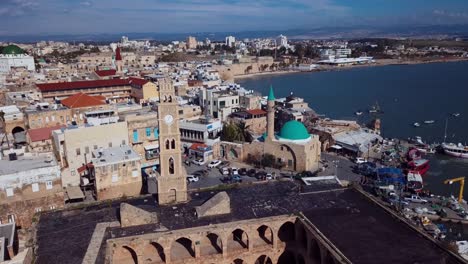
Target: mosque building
{"type": "Point", "coordinates": [12, 57]}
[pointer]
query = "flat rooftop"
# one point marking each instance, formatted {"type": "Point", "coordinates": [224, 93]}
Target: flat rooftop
{"type": "Point", "coordinates": [114, 155]}
{"type": "Point", "coordinates": [359, 228]}
{"type": "Point", "coordinates": [25, 164]}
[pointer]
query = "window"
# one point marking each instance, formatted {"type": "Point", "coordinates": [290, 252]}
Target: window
{"type": "Point", "coordinates": [78, 151]}
{"type": "Point", "coordinates": [11, 218]}
{"type": "Point", "coordinates": [49, 185]}
{"type": "Point", "coordinates": [9, 192]}
{"type": "Point", "coordinates": [87, 150]}
{"type": "Point", "coordinates": [35, 187]}
{"type": "Point", "coordinates": [110, 144]}
{"type": "Point", "coordinates": [135, 173]}
{"type": "Point", "coordinates": [95, 147]}
{"type": "Point", "coordinates": [115, 178]}
{"type": "Point", "coordinates": [133, 163]}
{"type": "Point", "coordinates": [123, 142]}
{"type": "Point", "coordinates": [156, 133]}
{"type": "Point", "coordinates": [115, 167]}
{"type": "Point", "coordinates": [173, 144]}
{"type": "Point", "coordinates": [135, 136]}
{"type": "Point", "coordinates": [148, 132]}
{"type": "Point", "coordinates": [104, 169]}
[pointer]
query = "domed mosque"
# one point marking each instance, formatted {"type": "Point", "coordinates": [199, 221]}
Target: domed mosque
{"type": "Point", "coordinates": [293, 146]}
{"type": "Point", "coordinates": [13, 57]}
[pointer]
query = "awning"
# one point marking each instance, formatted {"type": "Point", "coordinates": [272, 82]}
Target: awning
{"type": "Point", "coordinates": [155, 146]}
{"type": "Point", "coordinates": [336, 147]}
{"type": "Point", "coordinates": [74, 192]}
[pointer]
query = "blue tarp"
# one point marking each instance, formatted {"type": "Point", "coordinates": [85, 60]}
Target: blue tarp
{"type": "Point", "coordinates": [391, 175]}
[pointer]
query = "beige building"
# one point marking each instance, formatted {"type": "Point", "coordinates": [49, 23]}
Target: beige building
{"type": "Point", "coordinates": [255, 120]}
{"type": "Point", "coordinates": [74, 146]}
{"type": "Point", "coordinates": [117, 172]}
{"type": "Point", "coordinates": [40, 139]}
{"type": "Point", "coordinates": [143, 91]}
{"type": "Point", "coordinates": [191, 42]}
{"type": "Point", "coordinates": [250, 101]}
{"type": "Point", "coordinates": [12, 121]}
{"type": "Point", "coordinates": [28, 184]}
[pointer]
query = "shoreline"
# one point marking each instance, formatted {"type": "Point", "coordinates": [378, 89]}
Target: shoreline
{"type": "Point", "coordinates": [378, 63]}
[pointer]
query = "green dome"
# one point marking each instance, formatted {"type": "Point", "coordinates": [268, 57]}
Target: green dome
{"type": "Point", "coordinates": [294, 130]}
{"type": "Point", "coordinates": [12, 50]}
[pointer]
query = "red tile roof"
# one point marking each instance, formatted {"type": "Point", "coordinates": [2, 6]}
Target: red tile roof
{"type": "Point", "coordinates": [105, 73]}
{"type": "Point", "coordinates": [43, 133]}
{"type": "Point", "coordinates": [138, 81]}
{"type": "Point", "coordinates": [84, 167]}
{"type": "Point", "coordinates": [256, 112]}
{"type": "Point", "coordinates": [118, 56]}
{"type": "Point", "coordinates": [198, 146]}
{"type": "Point", "coordinates": [50, 87]}
{"type": "Point", "coordinates": [82, 100]}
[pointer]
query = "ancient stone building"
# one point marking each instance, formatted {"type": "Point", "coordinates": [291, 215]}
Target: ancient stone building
{"type": "Point", "coordinates": [172, 183]}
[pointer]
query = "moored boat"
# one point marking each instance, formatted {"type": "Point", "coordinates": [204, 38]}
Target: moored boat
{"type": "Point", "coordinates": [456, 114]}
{"type": "Point", "coordinates": [414, 181]}
{"type": "Point", "coordinates": [416, 124]}
{"type": "Point", "coordinates": [419, 165]}
{"type": "Point", "coordinates": [455, 150]}
{"type": "Point", "coordinates": [358, 113]}
{"type": "Point", "coordinates": [429, 122]}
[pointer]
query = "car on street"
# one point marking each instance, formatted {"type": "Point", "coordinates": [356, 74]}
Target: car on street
{"type": "Point", "coordinates": [192, 178]}
{"type": "Point", "coordinates": [396, 201]}
{"type": "Point", "coordinates": [260, 175]}
{"type": "Point", "coordinates": [224, 170]}
{"type": "Point", "coordinates": [360, 160]}
{"type": "Point", "coordinates": [214, 163]}
{"type": "Point", "coordinates": [234, 171]}
{"type": "Point", "coordinates": [243, 171]}
{"type": "Point", "coordinates": [251, 172]}
{"type": "Point", "coordinates": [415, 199]}
{"type": "Point", "coordinates": [268, 176]}
{"type": "Point", "coordinates": [236, 178]}
{"type": "Point", "coordinates": [198, 162]}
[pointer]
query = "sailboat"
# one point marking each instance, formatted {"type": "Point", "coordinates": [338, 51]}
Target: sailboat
{"type": "Point", "coordinates": [455, 150]}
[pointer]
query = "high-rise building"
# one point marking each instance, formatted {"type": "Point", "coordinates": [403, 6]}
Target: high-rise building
{"type": "Point", "coordinates": [191, 42]}
{"type": "Point", "coordinates": [230, 41]}
{"type": "Point", "coordinates": [172, 182]}
{"type": "Point", "coordinates": [281, 41]}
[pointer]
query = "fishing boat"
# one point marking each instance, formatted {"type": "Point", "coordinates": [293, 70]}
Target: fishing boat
{"type": "Point", "coordinates": [419, 165]}
{"type": "Point", "coordinates": [455, 150]}
{"type": "Point", "coordinates": [414, 181]}
{"type": "Point", "coordinates": [456, 114]}
{"type": "Point", "coordinates": [416, 124]}
{"type": "Point", "coordinates": [358, 113]}
{"type": "Point", "coordinates": [429, 122]}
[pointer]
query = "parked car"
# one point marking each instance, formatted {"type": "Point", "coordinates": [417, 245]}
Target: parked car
{"type": "Point", "coordinates": [260, 175]}
{"type": "Point", "coordinates": [415, 199]}
{"type": "Point", "coordinates": [214, 163]}
{"type": "Point", "coordinates": [198, 162]}
{"type": "Point", "coordinates": [251, 172]}
{"type": "Point", "coordinates": [224, 171]}
{"type": "Point", "coordinates": [192, 178]}
{"type": "Point", "coordinates": [236, 178]}
{"type": "Point", "coordinates": [243, 171]}
{"type": "Point", "coordinates": [268, 176]}
{"type": "Point", "coordinates": [396, 201]}
{"type": "Point", "coordinates": [360, 160]}
{"type": "Point", "coordinates": [234, 171]}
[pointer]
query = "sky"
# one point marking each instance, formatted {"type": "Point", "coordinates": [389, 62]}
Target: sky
{"type": "Point", "coordinates": [48, 17]}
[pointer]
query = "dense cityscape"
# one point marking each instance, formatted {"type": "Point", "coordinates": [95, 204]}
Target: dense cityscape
{"type": "Point", "coordinates": [154, 151]}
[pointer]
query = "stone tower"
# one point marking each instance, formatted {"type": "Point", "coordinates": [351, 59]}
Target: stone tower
{"type": "Point", "coordinates": [172, 181]}
{"type": "Point", "coordinates": [271, 115]}
{"type": "Point", "coordinates": [118, 60]}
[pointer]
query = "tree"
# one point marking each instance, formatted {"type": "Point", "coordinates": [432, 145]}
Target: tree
{"type": "Point", "coordinates": [236, 133]}
{"type": "Point", "coordinates": [244, 131]}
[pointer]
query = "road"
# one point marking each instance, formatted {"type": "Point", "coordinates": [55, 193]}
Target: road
{"type": "Point", "coordinates": [340, 166]}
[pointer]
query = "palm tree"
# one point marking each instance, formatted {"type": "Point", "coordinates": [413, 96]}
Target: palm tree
{"type": "Point", "coordinates": [244, 132]}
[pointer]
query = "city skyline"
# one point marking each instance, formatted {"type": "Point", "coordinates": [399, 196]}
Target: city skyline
{"type": "Point", "coordinates": [23, 17]}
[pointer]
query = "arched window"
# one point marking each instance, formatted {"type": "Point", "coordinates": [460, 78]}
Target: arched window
{"type": "Point", "coordinates": [165, 99]}
{"type": "Point", "coordinates": [170, 99]}
{"type": "Point", "coordinates": [171, 165]}
{"type": "Point", "coordinates": [173, 144]}
{"type": "Point", "coordinates": [167, 143]}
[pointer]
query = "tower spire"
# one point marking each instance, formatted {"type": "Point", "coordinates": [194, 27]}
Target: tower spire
{"type": "Point", "coordinates": [271, 115]}
{"type": "Point", "coordinates": [271, 94]}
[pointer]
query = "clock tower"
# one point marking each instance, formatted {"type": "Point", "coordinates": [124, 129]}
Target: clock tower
{"type": "Point", "coordinates": [172, 178]}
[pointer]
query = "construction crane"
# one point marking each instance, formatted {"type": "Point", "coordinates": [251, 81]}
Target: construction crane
{"type": "Point", "coordinates": [462, 186]}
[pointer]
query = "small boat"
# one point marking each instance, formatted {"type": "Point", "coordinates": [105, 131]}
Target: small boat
{"type": "Point", "coordinates": [429, 122]}
{"type": "Point", "coordinates": [416, 124]}
{"type": "Point", "coordinates": [419, 165]}
{"type": "Point", "coordinates": [414, 181]}
{"type": "Point", "coordinates": [455, 150]}
{"type": "Point", "coordinates": [375, 109]}
{"type": "Point", "coordinates": [358, 113]}
{"type": "Point", "coordinates": [456, 114]}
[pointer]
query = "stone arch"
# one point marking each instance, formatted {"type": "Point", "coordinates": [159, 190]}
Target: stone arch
{"type": "Point", "coordinates": [182, 248]}
{"type": "Point", "coordinates": [301, 235]}
{"type": "Point", "coordinates": [293, 155]}
{"type": "Point", "coordinates": [265, 233]}
{"type": "Point", "coordinates": [315, 255]}
{"type": "Point", "coordinates": [238, 261]}
{"type": "Point", "coordinates": [17, 129]}
{"type": "Point", "coordinates": [171, 165]}
{"type": "Point", "coordinates": [153, 253]}
{"type": "Point", "coordinates": [300, 259]}
{"type": "Point", "coordinates": [173, 144]}
{"type": "Point", "coordinates": [238, 240]}
{"type": "Point", "coordinates": [233, 154]}
{"type": "Point", "coordinates": [170, 98]}
{"type": "Point", "coordinates": [125, 255]}
{"type": "Point", "coordinates": [287, 258]}
{"type": "Point", "coordinates": [287, 232]}
{"type": "Point", "coordinates": [263, 259]}
{"type": "Point", "coordinates": [211, 244]}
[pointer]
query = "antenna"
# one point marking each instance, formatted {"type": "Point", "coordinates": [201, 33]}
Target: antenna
{"type": "Point", "coordinates": [445, 134]}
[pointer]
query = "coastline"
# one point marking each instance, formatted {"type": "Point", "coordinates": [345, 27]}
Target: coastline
{"type": "Point", "coordinates": [378, 63]}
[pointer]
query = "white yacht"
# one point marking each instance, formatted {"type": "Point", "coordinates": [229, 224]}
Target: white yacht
{"type": "Point", "coordinates": [455, 150]}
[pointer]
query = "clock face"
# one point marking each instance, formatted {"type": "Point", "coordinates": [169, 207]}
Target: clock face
{"type": "Point", "coordinates": [168, 119]}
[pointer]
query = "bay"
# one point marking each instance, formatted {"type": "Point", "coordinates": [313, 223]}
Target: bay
{"type": "Point", "coordinates": [406, 93]}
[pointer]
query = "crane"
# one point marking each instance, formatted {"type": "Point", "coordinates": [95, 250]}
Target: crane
{"type": "Point", "coordinates": [462, 186]}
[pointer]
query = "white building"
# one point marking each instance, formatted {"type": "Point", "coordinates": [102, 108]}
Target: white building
{"type": "Point", "coordinates": [282, 41]}
{"type": "Point", "coordinates": [330, 54]}
{"type": "Point", "coordinates": [230, 41]}
{"type": "Point", "coordinates": [14, 57]}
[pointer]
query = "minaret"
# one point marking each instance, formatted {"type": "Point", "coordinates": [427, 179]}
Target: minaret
{"type": "Point", "coordinates": [118, 60]}
{"type": "Point", "coordinates": [172, 178]}
{"type": "Point", "coordinates": [271, 115]}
